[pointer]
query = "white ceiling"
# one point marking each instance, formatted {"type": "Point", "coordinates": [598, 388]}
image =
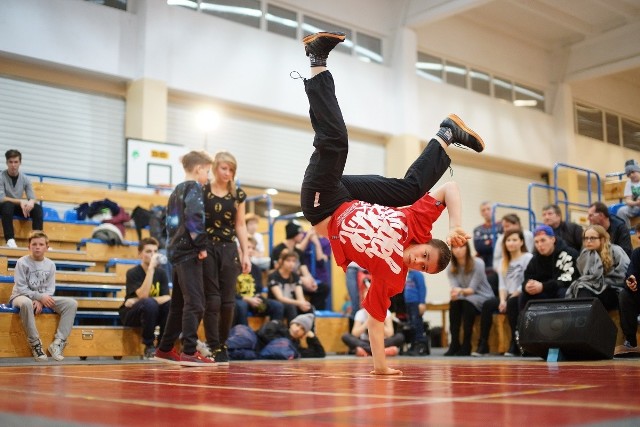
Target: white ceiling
{"type": "Point", "coordinates": [600, 37]}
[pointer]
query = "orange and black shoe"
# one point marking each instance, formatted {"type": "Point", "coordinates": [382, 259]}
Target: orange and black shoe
{"type": "Point", "coordinates": [454, 131]}
{"type": "Point", "coordinates": [317, 46]}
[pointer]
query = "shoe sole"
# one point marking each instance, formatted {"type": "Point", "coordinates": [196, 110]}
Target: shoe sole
{"type": "Point", "coordinates": [197, 364]}
{"type": "Point", "coordinates": [460, 123]}
{"type": "Point", "coordinates": [315, 36]}
{"type": "Point", "coordinates": [163, 360]}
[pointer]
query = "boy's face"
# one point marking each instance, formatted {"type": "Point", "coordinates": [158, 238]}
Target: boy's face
{"type": "Point", "coordinates": [544, 244]}
{"type": "Point", "coordinates": [296, 331]}
{"type": "Point", "coordinates": [252, 226]}
{"type": "Point", "coordinates": [38, 247]}
{"type": "Point", "coordinates": [13, 165]}
{"type": "Point", "coordinates": [202, 173]}
{"type": "Point", "coordinates": [422, 257]}
{"type": "Point", "coordinates": [147, 253]}
{"type": "Point", "coordinates": [289, 264]}
{"type": "Point", "coordinates": [634, 176]}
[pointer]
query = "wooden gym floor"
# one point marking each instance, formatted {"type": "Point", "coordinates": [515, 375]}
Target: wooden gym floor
{"type": "Point", "coordinates": [337, 391]}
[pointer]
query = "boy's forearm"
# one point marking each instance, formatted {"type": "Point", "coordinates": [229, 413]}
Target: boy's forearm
{"type": "Point", "coordinates": [376, 339]}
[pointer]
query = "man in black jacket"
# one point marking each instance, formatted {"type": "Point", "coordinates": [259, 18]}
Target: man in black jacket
{"type": "Point", "coordinates": [570, 232]}
{"type": "Point", "coordinates": [598, 213]}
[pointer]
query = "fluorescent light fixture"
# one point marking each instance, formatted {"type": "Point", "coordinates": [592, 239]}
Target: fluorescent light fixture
{"type": "Point", "coordinates": [273, 213]}
{"type": "Point", "coordinates": [525, 102]}
{"type": "Point", "coordinates": [207, 120]}
{"type": "Point", "coordinates": [271, 191]}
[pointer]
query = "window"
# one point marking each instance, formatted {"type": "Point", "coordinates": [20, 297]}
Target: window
{"type": "Point", "coordinates": [456, 74]}
{"type": "Point", "coordinates": [589, 122]}
{"type": "Point", "coordinates": [282, 21]}
{"type": "Point", "coordinates": [528, 97]}
{"type": "Point", "coordinates": [630, 134]}
{"type": "Point", "coordinates": [430, 67]}
{"type": "Point", "coordinates": [368, 48]}
{"type": "Point", "coordinates": [502, 89]}
{"type": "Point", "coordinates": [613, 129]}
{"type": "Point", "coordinates": [246, 12]}
{"type": "Point", "coordinates": [312, 25]}
{"type": "Point", "coordinates": [117, 4]}
{"type": "Point", "coordinates": [480, 82]}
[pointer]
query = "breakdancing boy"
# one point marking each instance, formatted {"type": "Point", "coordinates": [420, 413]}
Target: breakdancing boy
{"type": "Point", "coordinates": [360, 214]}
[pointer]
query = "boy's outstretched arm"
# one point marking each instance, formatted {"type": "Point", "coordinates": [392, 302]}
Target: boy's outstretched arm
{"type": "Point", "coordinates": [376, 338]}
{"type": "Point", "coordinates": [449, 194]}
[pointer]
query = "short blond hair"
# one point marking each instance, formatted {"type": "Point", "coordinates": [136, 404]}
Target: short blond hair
{"type": "Point", "coordinates": [196, 158]}
{"type": "Point", "coordinates": [38, 234]}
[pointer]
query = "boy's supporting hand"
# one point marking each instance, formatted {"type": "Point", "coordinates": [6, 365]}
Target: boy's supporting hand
{"type": "Point", "coordinates": [457, 237]}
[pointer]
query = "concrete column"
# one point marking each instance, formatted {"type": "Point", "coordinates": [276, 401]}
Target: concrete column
{"type": "Point", "coordinates": [147, 110]}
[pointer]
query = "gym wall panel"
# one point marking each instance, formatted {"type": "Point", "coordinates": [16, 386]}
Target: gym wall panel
{"type": "Point", "coordinates": [269, 154]}
{"type": "Point", "coordinates": [63, 132]}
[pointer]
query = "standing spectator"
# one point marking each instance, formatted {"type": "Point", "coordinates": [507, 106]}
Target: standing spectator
{"type": "Point", "coordinates": [415, 301]}
{"type": "Point", "coordinates": [629, 300]}
{"type": "Point", "coordinates": [570, 232]}
{"type": "Point", "coordinates": [483, 235]}
{"type": "Point", "coordinates": [249, 295]}
{"type": "Point", "coordinates": [511, 274]}
{"type": "Point", "coordinates": [15, 185]}
{"type": "Point", "coordinates": [148, 299]}
{"type": "Point", "coordinates": [224, 222]}
{"type": "Point", "coordinates": [358, 339]}
{"type": "Point", "coordinates": [258, 255]}
{"type": "Point", "coordinates": [312, 243]}
{"type": "Point", "coordinates": [286, 287]}
{"type": "Point", "coordinates": [469, 291]}
{"type": "Point", "coordinates": [293, 242]}
{"type": "Point", "coordinates": [187, 252]}
{"type": "Point", "coordinates": [631, 208]}
{"type": "Point", "coordinates": [602, 268]}
{"type": "Point", "coordinates": [619, 234]}
{"type": "Point", "coordinates": [35, 284]}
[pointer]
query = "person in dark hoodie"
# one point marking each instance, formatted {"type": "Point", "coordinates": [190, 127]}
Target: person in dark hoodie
{"type": "Point", "coordinates": [550, 271]}
{"type": "Point", "coordinates": [301, 326]}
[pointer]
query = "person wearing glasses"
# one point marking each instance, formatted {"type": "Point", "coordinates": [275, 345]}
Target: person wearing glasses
{"type": "Point", "coordinates": [602, 267]}
{"type": "Point", "coordinates": [598, 214]}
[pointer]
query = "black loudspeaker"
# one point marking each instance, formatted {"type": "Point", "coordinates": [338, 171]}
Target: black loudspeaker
{"type": "Point", "coordinates": [580, 328]}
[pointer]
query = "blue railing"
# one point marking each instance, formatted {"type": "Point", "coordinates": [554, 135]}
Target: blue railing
{"type": "Point", "coordinates": [494, 232]}
{"type": "Point", "coordinates": [533, 185]}
{"type": "Point", "coordinates": [589, 173]}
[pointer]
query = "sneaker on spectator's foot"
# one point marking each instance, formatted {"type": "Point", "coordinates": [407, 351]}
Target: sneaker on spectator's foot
{"type": "Point", "coordinates": [391, 351]}
{"type": "Point", "coordinates": [11, 243]}
{"type": "Point", "coordinates": [221, 356]}
{"type": "Point", "coordinates": [196, 360]}
{"type": "Point", "coordinates": [627, 349]}
{"type": "Point", "coordinates": [317, 46]}
{"type": "Point", "coordinates": [203, 348]}
{"type": "Point", "coordinates": [418, 349]}
{"type": "Point", "coordinates": [38, 353]}
{"type": "Point", "coordinates": [55, 349]}
{"type": "Point", "coordinates": [454, 131]}
{"type": "Point", "coordinates": [149, 352]}
{"type": "Point", "coordinates": [361, 352]}
{"type": "Point", "coordinates": [170, 356]}
{"type": "Point", "coordinates": [513, 351]}
{"type": "Point", "coordinates": [482, 350]}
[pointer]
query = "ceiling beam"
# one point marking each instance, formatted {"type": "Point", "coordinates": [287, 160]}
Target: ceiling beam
{"type": "Point", "coordinates": [547, 10]}
{"type": "Point", "coordinates": [605, 54]}
{"type": "Point", "coordinates": [421, 12]}
{"type": "Point", "coordinates": [622, 8]}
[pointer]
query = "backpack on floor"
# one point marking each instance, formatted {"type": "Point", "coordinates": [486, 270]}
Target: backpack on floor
{"type": "Point", "coordinates": [241, 343]}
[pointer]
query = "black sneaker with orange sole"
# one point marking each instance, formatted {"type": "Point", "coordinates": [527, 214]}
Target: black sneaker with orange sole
{"type": "Point", "coordinates": [461, 134]}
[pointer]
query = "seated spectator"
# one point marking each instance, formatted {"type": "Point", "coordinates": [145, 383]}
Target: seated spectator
{"type": "Point", "coordinates": [511, 274]}
{"type": "Point", "coordinates": [34, 285]}
{"type": "Point", "coordinates": [415, 297]}
{"type": "Point", "coordinates": [285, 286]}
{"type": "Point", "coordinates": [14, 186]}
{"type": "Point", "coordinates": [510, 222]}
{"type": "Point", "coordinates": [358, 339]}
{"type": "Point", "coordinates": [249, 297]}
{"type": "Point", "coordinates": [353, 287]}
{"type": "Point", "coordinates": [631, 208]}
{"type": "Point", "coordinates": [551, 269]}
{"type": "Point", "coordinates": [602, 268]}
{"type": "Point", "coordinates": [469, 291]}
{"type": "Point", "coordinates": [570, 232]}
{"type": "Point", "coordinates": [299, 327]}
{"type": "Point", "coordinates": [148, 299]}
{"type": "Point", "coordinates": [322, 274]}
{"type": "Point", "coordinates": [629, 301]}
{"type": "Point", "coordinates": [294, 236]}
{"type": "Point", "coordinates": [619, 234]}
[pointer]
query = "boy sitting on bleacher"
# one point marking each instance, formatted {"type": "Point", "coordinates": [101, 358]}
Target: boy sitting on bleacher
{"type": "Point", "coordinates": [35, 283]}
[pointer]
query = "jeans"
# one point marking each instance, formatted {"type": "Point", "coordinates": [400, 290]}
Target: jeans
{"type": "Point", "coordinates": [8, 210]}
{"type": "Point", "coordinates": [148, 314]}
{"type": "Point", "coordinates": [275, 311]}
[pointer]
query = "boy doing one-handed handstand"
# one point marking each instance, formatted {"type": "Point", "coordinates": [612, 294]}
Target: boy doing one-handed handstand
{"type": "Point", "coordinates": [360, 214]}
